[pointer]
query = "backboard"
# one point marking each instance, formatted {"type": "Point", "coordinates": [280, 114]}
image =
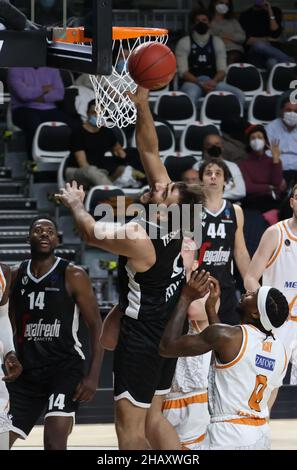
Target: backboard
{"type": "Point", "coordinates": [36, 44]}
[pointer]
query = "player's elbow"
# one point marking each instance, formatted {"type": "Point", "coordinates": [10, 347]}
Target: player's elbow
{"type": "Point", "coordinates": [164, 348]}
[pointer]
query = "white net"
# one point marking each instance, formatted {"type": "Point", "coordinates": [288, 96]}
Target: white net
{"type": "Point", "coordinates": [113, 106]}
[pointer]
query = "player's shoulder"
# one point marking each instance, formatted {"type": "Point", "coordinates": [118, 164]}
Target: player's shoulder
{"type": "Point", "coordinates": [5, 269]}
{"type": "Point", "coordinates": [76, 270]}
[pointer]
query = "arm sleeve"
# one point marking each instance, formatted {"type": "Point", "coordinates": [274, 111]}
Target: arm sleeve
{"type": "Point", "coordinates": [238, 33]}
{"type": "Point", "coordinates": [278, 18]}
{"type": "Point", "coordinates": [276, 173]}
{"type": "Point", "coordinates": [251, 187]}
{"type": "Point", "coordinates": [6, 334]}
{"type": "Point", "coordinates": [77, 141]}
{"type": "Point", "coordinates": [182, 52]}
{"type": "Point", "coordinates": [57, 94]}
{"type": "Point", "coordinates": [220, 52]}
{"type": "Point", "coordinates": [235, 190]}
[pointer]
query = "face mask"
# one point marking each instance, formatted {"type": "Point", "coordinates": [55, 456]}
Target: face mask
{"type": "Point", "coordinates": [93, 120]}
{"type": "Point", "coordinates": [222, 9]}
{"type": "Point", "coordinates": [47, 3]}
{"type": "Point", "coordinates": [257, 144]}
{"type": "Point", "coordinates": [201, 28]}
{"type": "Point", "coordinates": [290, 119]}
{"type": "Point", "coordinates": [214, 151]}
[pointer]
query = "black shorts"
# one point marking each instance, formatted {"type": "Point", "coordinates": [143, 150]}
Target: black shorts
{"type": "Point", "coordinates": [48, 389]}
{"type": "Point", "coordinates": [139, 371]}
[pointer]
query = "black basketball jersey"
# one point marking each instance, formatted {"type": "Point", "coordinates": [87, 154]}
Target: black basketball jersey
{"type": "Point", "coordinates": [218, 237]}
{"type": "Point", "coordinates": [152, 295]}
{"type": "Point", "coordinates": [202, 60]}
{"type": "Point", "coordinates": [47, 318]}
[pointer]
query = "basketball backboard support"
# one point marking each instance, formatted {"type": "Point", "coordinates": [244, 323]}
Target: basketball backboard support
{"type": "Point", "coordinates": [36, 47]}
{"type": "Point", "coordinates": [94, 58]}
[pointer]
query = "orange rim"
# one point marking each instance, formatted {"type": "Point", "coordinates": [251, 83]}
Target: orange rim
{"type": "Point", "coordinates": [119, 32]}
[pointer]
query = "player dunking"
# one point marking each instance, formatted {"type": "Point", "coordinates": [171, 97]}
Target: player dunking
{"type": "Point", "coordinates": [7, 357]}
{"type": "Point", "coordinates": [249, 363]}
{"type": "Point", "coordinates": [48, 296]}
{"type": "Point", "coordinates": [151, 276]}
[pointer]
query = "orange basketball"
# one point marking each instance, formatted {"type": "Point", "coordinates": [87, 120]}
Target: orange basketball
{"type": "Point", "coordinates": [152, 65]}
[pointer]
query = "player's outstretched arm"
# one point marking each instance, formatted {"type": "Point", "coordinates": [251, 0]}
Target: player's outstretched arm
{"type": "Point", "coordinates": [241, 254]}
{"type": "Point", "coordinates": [211, 304]}
{"type": "Point", "coordinates": [79, 286]}
{"type": "Point", "coordinates": [173, 342]}
{"type": "Point", "coordinates": [147, 140]}
{"type": "Point", "coordinates": [264, 254]}
{"type": "Point", "coordinates": [128, 240]}
{"type": "Point", "coordinates": [111, 328]}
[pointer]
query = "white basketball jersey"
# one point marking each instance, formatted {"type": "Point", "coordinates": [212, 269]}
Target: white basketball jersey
{"type": "Point", "coordinates": [191, 373]}
{"type": "Point", "coordinates": [281, 271]}
{"type": "Point", "coordinates": [242, 387]}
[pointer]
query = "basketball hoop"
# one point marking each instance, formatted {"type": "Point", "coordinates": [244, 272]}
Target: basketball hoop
{"type": "Point", "coordinates": [113, 106]}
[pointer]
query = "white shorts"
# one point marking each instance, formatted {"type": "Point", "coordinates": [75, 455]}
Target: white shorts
{"type": "Point", "coordinates": [188, 413]}
{"type": "Point", "coordinates": [230, 436]}
{"type": "Point", "coordinates": [5, 423]}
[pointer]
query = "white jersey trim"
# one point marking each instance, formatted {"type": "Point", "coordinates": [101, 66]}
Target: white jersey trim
{"type": "Point", "coordinates": [220, 365]}
{"type": "Point", "coordinates": [2, 282]}
{"type": "Point", "coordinates": [134, 295]}
{"type": "Point", "coordinates": [37, 280]}
{"type": "Point", "coordinates": [19, 432]}
{"type": "Point", "coordinates": [71, 414]}
{"type": "Point", "coordinates": [132, 400]}
{"type": "Point", "coordinates": [215, 214]}
{"type": "Point", "coordinates": [75, 326]}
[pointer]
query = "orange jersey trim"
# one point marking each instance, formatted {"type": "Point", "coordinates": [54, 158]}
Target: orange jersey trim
{"type": "Point", "coordinates": [2, 281]}
{"type": "Point", "coordinates": [194, 441]}
{"type": "Point", "coordinates": [183, 402]}
{"type": "Point", "coordinates": [248, 421]}
{"type": "Point", "coordinates": [291, 305]}
{"type": "Point", "coordinates": [276, 253]}
{"type": "Point", "coordinates": [241, 352]}
{"type": "Point", "coordinates": [288, 233]}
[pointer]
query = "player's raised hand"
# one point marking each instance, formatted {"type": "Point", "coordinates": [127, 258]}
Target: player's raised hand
{"type": "Point", "coordinates": [71, 194]}
{"type": "Point", "coordinates": [198, 285]}
{"type": "Point", "coordinates": [140, 96]}
{"type": "Point", "coordinates": [214, 294]}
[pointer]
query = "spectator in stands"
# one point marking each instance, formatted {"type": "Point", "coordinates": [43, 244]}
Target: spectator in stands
{"type": "Point", "coordinates": [88, 165]}
{"type": "Point", "coordinates": [262, 175]}
{"type": "Point", "coordinates": [284, 129]}
{"type": "Point", "coordinates": [190, 176]}
{"type": "Point", "coordinates": [234, 138]}
{"type": "Point", "coordinates": [201, 60]}
{"type": "Point", "coordinates": [213, 147]}
{"type": "Point", "coordinates": [262, 24]}
{"type": "Point", "coordinates": [226, 26]}
{"type": "Point", "coordinates": [35, 93]}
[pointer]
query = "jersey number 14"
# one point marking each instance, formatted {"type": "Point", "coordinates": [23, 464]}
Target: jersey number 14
{"type": "Point", "coordinates": [36, 300]}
